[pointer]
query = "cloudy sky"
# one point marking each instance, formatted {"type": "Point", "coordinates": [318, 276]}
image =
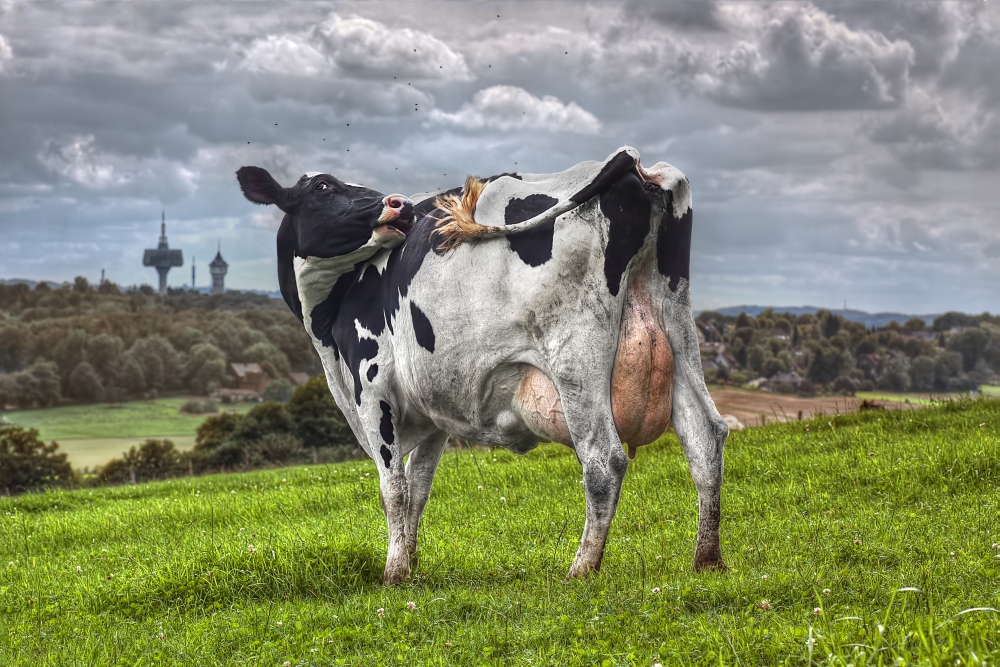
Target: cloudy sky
{"type": "Point", "coordinates": [837, 151]}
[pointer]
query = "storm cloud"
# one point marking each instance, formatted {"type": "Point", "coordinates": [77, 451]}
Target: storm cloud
{"type": "Point", "coordinates": [837, 150]}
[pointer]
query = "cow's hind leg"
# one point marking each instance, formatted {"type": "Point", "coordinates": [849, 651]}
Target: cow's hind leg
{"type": "Point", "coordinates": [604, 465]}
{"type": "Point", "coordinates": [420, 467]}
{"type": "Point", "coordinates": [701, 429]}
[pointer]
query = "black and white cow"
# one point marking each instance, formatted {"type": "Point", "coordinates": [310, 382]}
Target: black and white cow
{"type": "Point", "coordinates": [522, 308]}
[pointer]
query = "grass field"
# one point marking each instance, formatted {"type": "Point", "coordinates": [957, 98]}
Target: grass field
{"type": "Point", "coordinates": [869, 536]}
{"type": "Point", "coordinates": [93, 434]}
{"type": "Point", "coordinates": [990, 390]}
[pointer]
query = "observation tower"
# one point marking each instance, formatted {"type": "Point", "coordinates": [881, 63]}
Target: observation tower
{"type": "Point", "coordinates": [162, 258]}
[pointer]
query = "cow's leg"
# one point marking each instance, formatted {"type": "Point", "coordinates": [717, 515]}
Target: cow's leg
{"type": "Point", "coordinates": [393, 492]}
{"type": "Point", "coordinates": [604, 465]}
{"type": "Point", "coordinates": [420, 467]}
{"type": "Point", "coordinates": [701, 429]}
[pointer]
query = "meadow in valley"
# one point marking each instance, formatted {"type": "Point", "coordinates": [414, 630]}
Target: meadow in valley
{"type": "Point", "coordinates": [864, 539]}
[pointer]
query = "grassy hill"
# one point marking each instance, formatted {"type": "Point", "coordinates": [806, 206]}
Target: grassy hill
{"type": "Point", "coordinates": [859, 539]}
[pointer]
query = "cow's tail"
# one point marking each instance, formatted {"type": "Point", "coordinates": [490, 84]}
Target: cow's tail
{"type": "Point", "coordinates": [459, 224]}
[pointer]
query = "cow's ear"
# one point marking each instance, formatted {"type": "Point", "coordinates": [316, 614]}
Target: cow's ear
{"type": "Point", "coordinates": [260, 187]}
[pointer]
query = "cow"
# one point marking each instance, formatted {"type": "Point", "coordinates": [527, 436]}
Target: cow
{"type": "Point", "coordinates": [516, 309]}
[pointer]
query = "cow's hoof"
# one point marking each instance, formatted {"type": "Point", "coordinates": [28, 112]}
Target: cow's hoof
{"type": "Point", "coordinates": [582, 571]}
{"type": "Point", "coordinates": [710, 565]}
{"type": "Point", "coordinates": [397, 576]}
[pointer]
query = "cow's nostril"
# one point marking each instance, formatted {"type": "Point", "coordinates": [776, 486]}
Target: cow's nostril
{"type": "Point", "coordinates": [395, 203]}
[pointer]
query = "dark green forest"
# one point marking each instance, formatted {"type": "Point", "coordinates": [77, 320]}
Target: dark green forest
{"type": "Point", "coordinates": [81, 343]}
{"type": "Point", "coordinates": [824, 353]}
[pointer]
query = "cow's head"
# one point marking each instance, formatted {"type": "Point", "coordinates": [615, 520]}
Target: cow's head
{"type": "Point", "coordinates": [330, 218]}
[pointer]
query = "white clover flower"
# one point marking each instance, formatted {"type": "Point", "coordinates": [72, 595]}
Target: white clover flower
{"type": "Point", "coordinates": [826, 591]}
{"type": "Point", "coordinates": [411, 605]}
{"type": "Point", "coordinates": [817, 611]}
{"type": "Point", "coordinates": [380, 611]}
{"type": "Point", "coordinates": [654, 590]}
{"type": "Point", "coordinates": [279, 624]}
{"type": "Point", "coordinates": [763, 577]}
{"type": "Point", "coordinates": [502, 499]}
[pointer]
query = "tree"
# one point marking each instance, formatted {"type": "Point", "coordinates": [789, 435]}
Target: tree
{"type": "Point", "coordinates": [261, 420]}
{"type": "Point", "coordinates": [14, 352]}
{"type": "Point", "coordinates": [279, 391]}
{"type": "Point", "coordinates": [70, 351]}
{"type": "Point", "coordinates": [215, 430]}
{"type": "Point", "coordinates": [825, 365]}
{"type": "Point", "coordinates": [84, 384]}
{"type": "Point", "coordinates": [895, 374]}
{"type": "Point", "coordinates": [131, 378]}
{"type": "Point", "coordinates": [37, 385]}
{"type": "Point", "coordinates": [206, 368]}
{"type": "Point", "coordinates": [266, 354]}
{"type": "Point", "coordinates": [81, 285]}
{"type": "Point", "coordinates": [153, 460]}
{"type": "Point", "coordinates": [951, 320]}
{"type": "Point", "coordinates": [318, 421]}
{"type": "Point", "coordinates": [27, 463]}
{"type": "Point", "coordinates": [970, 344]}
{"type": "Point", "coordinates": [104, 354]}
{"type": "Point", "coordinates": [922, 373]}
{"type": "Point", "coordinates": [915, 324]}
{"type": "Point", "coordinates": [829, 324]}
{"type": "Point", "coordinates": [744, 320]}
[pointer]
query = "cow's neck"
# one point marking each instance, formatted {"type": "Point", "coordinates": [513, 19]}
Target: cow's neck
{"type": "Point", "coordinates": [315, 280]}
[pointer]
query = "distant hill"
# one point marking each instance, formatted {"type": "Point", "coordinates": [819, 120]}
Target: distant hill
{"type": "Point", "coordinates": [868, 319]}
{"type": "Point", "coordinates": [25, 281]}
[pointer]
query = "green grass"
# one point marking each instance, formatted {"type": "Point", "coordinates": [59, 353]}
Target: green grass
{"type": "Point", "coordinates": [155, 418]}
{"type": "Point", "coordinates": [989, 390]}
{"type": "Point", "coordinates": [93, 434]}
{"type": "Point", "coordinates": [894, 512]}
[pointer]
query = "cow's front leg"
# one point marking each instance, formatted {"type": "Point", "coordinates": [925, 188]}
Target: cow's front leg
{"type": "Point", "coordinates": [394, 494]}
{"type": "Point", "coordinates": [604, 465]}
{"type": "Point", "coordinates": [700, 428]}
{"type": "Point", "coordinates": [420, 467]}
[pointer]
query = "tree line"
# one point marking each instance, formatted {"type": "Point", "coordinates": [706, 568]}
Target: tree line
{"type": "Point", "coordinates": [825, 352]}
{"type": "Point", "coordinates": [85, 344]}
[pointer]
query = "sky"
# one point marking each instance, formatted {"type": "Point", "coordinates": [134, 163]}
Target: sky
{"type": "Point", "coordinates": [838, 151]}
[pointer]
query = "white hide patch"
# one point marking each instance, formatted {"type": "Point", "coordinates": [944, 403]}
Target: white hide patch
{"type": "Point", "coordinates": [670, 179]}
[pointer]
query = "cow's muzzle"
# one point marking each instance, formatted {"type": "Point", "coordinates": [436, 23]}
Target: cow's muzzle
{"type": "Point", "coordinates": [397, 211]}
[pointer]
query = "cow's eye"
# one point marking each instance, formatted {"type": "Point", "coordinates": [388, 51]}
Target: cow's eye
{"type": "Point", "coordinates": [321, 186]}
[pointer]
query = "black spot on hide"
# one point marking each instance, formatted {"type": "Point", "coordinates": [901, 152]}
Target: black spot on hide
{"type": "Point", "coordinates": [627, 207]}
{"type": "Point", "coordinates": [361, 304]}
{"type": "Point", "coordinates": [673, 245]}
{"type": "Point", "coordinates": [385, 425]}
{"type": "Point", "coordinates": [609, 175]}
{"type": "Point", "coordinates": [533, 247]}
{"type": "Point", "coordinates": [324, 314]}
{"type": "Point", "coordinates": [422, 328]}
{"type": "Point", "coordinates": [386, 455]}
{"type": "Point", "coordinates": [372, 372]}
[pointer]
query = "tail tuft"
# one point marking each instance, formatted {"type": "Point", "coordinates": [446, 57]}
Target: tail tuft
{"type": "Point", "coordinates": [459, 224]}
